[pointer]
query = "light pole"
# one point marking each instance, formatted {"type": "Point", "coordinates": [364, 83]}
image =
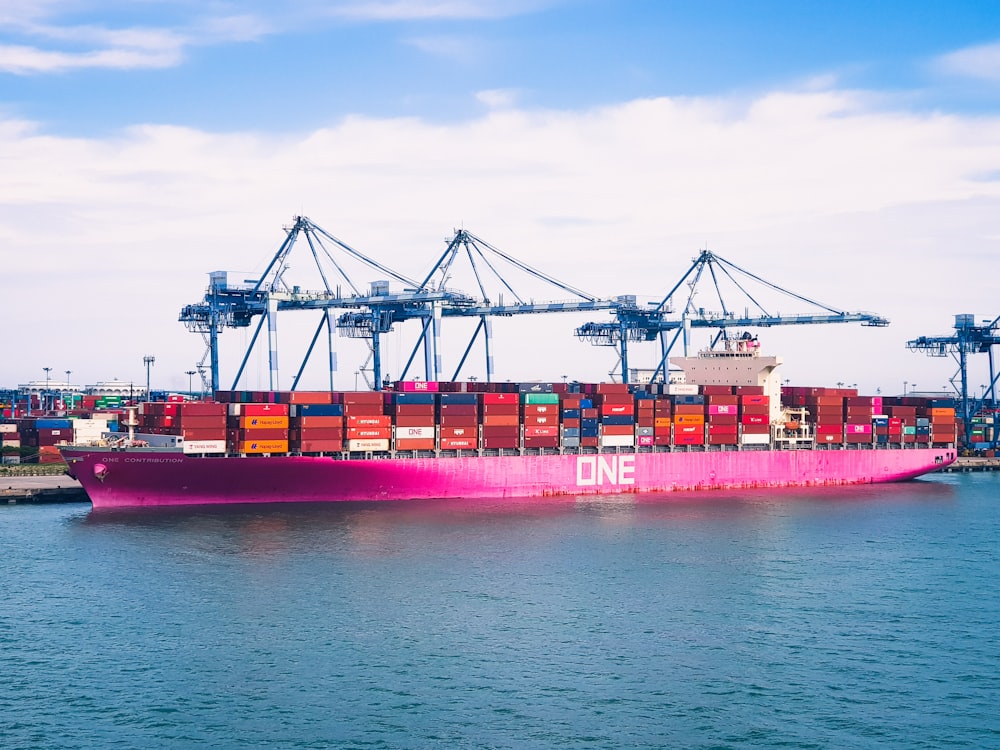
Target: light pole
{"type": "Point", "coordinates": [46, 394]}
{"type": "Point", "coordinates": [67, 386]}
{"type": "Point", "coordinates": [905, 383]}
{"type": "Point", "coordinates": [355, 380]}
{"type": "Point", "coordinates": [190, 374]}
{"type": "Point", "coordinates": [148, 360]}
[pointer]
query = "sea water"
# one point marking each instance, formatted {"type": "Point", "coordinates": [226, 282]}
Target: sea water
{"type": "Point", "coordinates": [861, 617]}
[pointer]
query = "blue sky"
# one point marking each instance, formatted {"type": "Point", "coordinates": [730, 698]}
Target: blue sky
{"type": "Point", "coordinates": [849, 151]}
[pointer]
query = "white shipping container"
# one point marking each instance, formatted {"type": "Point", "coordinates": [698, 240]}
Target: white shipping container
{"type": "Point", "coordinates": [613, 441]}
{"type": "Point", "coordinates": [91, 424]}
{"type": "Point", "coordinates": [204, 446]}
{"type": "Point", "coordinates": [368, 445]}
{"type": "Point", "coordinates": [415, 432]}
{"type": "Point", "coordinates": [682, 389]}
{"type": "Point", "coordinates": [763, 439]}
{"type": "Point", "coordinates": [8, 428]}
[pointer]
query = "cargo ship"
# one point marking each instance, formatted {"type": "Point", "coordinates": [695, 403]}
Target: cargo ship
{"type": "Point", "coordinates": [728, 424]}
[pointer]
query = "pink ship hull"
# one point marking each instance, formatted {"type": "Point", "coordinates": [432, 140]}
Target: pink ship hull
{"type": "Point", "coordinates": [138, 477]}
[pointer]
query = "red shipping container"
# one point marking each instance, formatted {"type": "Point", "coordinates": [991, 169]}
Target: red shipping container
{"type": "Point", "coordinates": [717, 390]}
{"type": "Point", "coordinates": [460, 432]}
{"type": "Point", "coordinates": [589, 442]}
{"type": "Point", "coordinates": [363, 410]}
{"type": "Point", "coordinates": [492, 443]}
{"type": "Point", "coordinates": [689, 429]}
{"type": "Point", "coordinates": [617, 409]}
{"type": "Point", "coordinates": [216, 420]}
{"type": "Point", "coordinates": [471, 421]}
{"type": "Point", "coordinates": [414, 421]}
{"type": "Point", "coordinates": [756, 429]}
{"type": "Point", "coordinates": [414, 444]}
{"type": "Point", "coordinates": [752, 419]}
{"type": "Point", "coordinates": [457, 443]}
{"type": "Point", "coordinates": [501, 431]}
{"type": "Point", "coordinates": [722, 439]}
{"type": "Point", "coordinates": [501, 420]}
{"type": "Point", "coordinates": [498, 399]}
{"type": "Point", "coordinates": [722, 429]}
{"type": "Point", "coordinates": [369, 420]}
{"type": "Point", "coordinates": [368, 433]}
{"type": "Point", "coordinates": [503, 409]}
{"type": "Point", "coordinates": [321, 446]}
{"type": "Point", "coordinates": [541, 430]}
{"type": "Point", "coordinates": [354, 398]}
{"type": "Point", "coordinates": [723, 419]}
{"type": "Point", "coordinates": [688, 440]}
{"type": "Point", "coordinates": [459, 410]}
{"type": "Point", "coordinates": [203, 409]}
{"type": "Point", "coordinates": [541, 441]}
{"type": "Point", "coordinates": [201, 433]}
{"type": "Point", "coordinates": [415, 410]}
{"type": "Point", "coordinates": [618, 429]}
{"type": "Point", "coordinates": [550, 419]}
{"type": "Point", "coordinates": [540, 409]}
{"type": "Point", "coordinates": [317, 433]}
{"type": "Point", "coordinates": [259, 410]}
{"type": "Point", "coordinates": [612, 388]}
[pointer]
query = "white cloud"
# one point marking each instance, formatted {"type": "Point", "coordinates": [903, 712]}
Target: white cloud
{"type": "Point", "coordinates": [498, 98]}
{"type": "Point", "coordinates": [982, 62]}
{"type": "Point", "coordinates": [855, 206]}
{"type": "Point", "coordinates": [409, 10]}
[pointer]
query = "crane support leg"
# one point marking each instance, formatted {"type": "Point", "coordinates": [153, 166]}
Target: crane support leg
{"type": "Point", "coordinates": [272, 339]}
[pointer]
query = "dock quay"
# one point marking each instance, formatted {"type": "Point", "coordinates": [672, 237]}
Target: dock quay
{"type": "Point", "coordinates": [974, 463]}
{"type": "Point", "coordinates": [49, 488]}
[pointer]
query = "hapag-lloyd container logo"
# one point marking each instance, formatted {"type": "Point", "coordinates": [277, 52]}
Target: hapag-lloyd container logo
{"type": "Point", "coordinates": [594, 471]}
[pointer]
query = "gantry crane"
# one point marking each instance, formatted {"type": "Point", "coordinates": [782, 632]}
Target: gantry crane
{"type": "Point", "coordinates": [235, 305]}
{"type": "Point", "coordinates": [373, 310]}
{"type": "Point", "coordinates": [491, 271]}
{"type": "Point", "coordinates": [634, 323]}
{"type": "Point", "coordinates": [968, 338]}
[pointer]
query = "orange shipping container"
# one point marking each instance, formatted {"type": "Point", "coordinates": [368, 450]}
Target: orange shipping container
{"type": "Point", "coordinates": [328, 422]}
{"type": "Point", "coordinates": [502, 420]}
{"type": "Point", "coordinates": [262, 446]}
{"type": "Point", "coordinates": [694, 419]}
